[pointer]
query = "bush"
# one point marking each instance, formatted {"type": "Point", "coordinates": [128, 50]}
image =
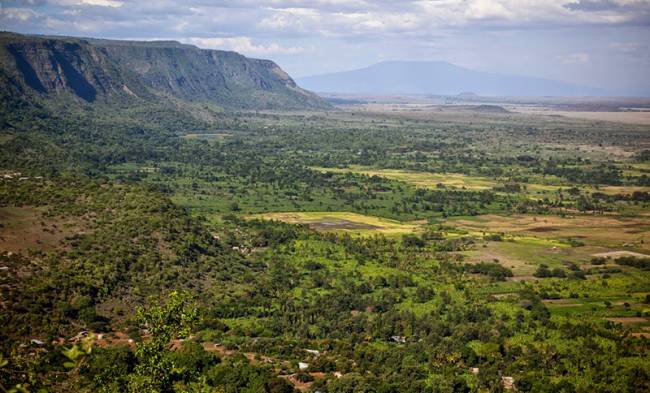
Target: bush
{"type": "Point", "coordinates": [639, 263]}
{"type": "Point", "coordinates": [495, 237]}
{"type": "Point", "coordinates": [493, 270]}
{"type": "Point", "coordinates": [542, 272]}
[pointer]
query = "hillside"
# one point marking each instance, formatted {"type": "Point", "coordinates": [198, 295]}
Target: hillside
{"type": "Point", "coordinates": [107, 70]}
{"type": "Point", "coordinates": [438, 77]}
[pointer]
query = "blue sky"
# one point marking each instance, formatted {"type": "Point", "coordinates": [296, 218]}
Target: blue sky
{"type": "Point", "coordinates": [604, 43]}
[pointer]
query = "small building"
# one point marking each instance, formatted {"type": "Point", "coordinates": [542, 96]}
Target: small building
{"type": "Point", "coordinates": [508, 383]}
{"type": "Point", "coordinates": [303, 366]}
{"type": "Point", "coordinates": [398, 339]}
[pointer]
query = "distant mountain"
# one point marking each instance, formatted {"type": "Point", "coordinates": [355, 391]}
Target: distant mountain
{"type": "Point", "coordinates": [94, 70]}
{"type": "Point", "coordinates": [438, 77]}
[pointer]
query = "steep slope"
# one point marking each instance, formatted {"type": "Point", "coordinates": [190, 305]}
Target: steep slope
{"type": "Point", "coordinates": [438, 77]}
{"type": "Point", "coordinates": [103, 70]}
{"type": "Point", "coordinates": [50, 67]}
{"type": "Point", "coordinates": [195, 74]}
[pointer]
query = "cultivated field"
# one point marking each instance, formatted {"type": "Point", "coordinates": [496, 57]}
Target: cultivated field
{"type": "Point", "coordinates": [343, 222]}
{"type": "Point", "coordinates": [421, 179]}
{"type": "Point", "coordinates": [612, 232]}
{"type": "Point", "coordinates": [628, 117]}
{"type": "Point", "coordinates": [461, 181]}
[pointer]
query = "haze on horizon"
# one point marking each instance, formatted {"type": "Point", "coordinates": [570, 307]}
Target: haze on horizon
{"type": "Point", "coordinates": [599, 43]}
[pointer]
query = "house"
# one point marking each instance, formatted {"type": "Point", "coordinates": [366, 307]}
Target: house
{"type": "Point", "coordinates": [313, 352]}
{"type": "Point", "coordinates": [303, 366]}
{"type": "Point", "coordinates": [508, 383]}
{"type": "Point", "coordinates": [474, 370]}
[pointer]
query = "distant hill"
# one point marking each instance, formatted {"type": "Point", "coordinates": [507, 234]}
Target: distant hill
{"type": "Point", "coordinates": [439, 77]}
{"type": "Point", "coordinates": [103, 70]}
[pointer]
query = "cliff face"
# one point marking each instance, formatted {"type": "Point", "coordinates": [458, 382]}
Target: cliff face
{"type": "Point", "coordinates": [94, 70]}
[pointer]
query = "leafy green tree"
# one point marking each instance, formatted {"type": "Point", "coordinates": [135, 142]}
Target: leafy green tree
{"type": "Point", "coordinates": [172, 320]}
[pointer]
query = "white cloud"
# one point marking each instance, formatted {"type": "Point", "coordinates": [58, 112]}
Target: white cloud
{"type": "Point", "coordinates": [17, 14]}
{"type": "Point", "coordinates": [102, 3]}
{"type": "Point", "coordinates": [97, 3]}
{"type": "Point", "coordinates": [243, 45]}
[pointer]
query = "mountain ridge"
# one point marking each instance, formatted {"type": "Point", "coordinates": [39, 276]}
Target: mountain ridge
{"type": "Point", "coordinates": [439, 77]}
{"type": "Point", "coordinates": [103, 70]}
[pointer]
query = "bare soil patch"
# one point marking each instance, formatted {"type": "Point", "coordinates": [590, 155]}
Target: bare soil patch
{"type": "Point", "coordinates": [335, 223]}
{"type": "Point", "coordinates": [24, 228]}
{"type": "Point", "coordinates": [627, 320]}
{"type": "Point", "coordinates": [543, 229]}
{"type": "Point", "coordinates": [618, 254]}
{"type": "Point", "coordinates": [303, 386]}
{"type": "Point", "coordinates": [628, 117]}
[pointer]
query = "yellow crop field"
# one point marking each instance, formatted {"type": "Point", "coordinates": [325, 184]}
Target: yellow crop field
{"type": "Point", "coordinates": [343, 222]}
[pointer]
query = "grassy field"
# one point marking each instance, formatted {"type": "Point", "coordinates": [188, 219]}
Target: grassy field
{"type": "Point", "coordinates": [421, 179]}
{"type": "Point", "coordinates": [344, 222]}
{"type": "Point", "coordinates": [213, 136]}
{"type": "Point", "coordinates": [607, 231]}
{"type": "Point", "coordinates": [529, 240]}
{"type": "Point", "coordinates": [536, 189]}
{"type": "Point", "coordinates": [630, 117]}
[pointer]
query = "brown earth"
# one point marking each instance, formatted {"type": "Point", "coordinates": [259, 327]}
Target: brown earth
{"type": "Point", "coordinates": [24, 228]}
{"type": "Point", "coordinates": [627, 320]}
{"type": "Point", "coordinates": [337, 223]}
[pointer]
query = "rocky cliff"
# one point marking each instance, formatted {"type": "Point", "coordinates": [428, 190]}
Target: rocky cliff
{"type": "Point", "coordinates": [101, 70]}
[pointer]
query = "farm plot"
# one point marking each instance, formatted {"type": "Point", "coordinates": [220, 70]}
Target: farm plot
{"type": "Point", "coordinates": [527, 241]}
{"type": "Point", "coordinates": [604, 231]}
{"type": "Point", "coordinates": [343, 222]}
{"type": "Point", "coordinates": [421, 179]}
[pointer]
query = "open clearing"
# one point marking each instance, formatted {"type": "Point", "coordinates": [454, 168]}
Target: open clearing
{"type": "Point", "coordinates": [628, 117]}
{"type": "Point", "coordinates": [473, 183]}
{"type": "Point", "coordinates": [598, 230]}
{"type": "Point", "coordinates": [531, 240]}
{"type": "Point", "coordinates": [627, 320]}
{"type": "Point", "coordinates": [214, 136]}
{"type": "Point", "coordinates": [24, 228]}
{"type": "Point", "coordinates": [343, 222]}
{"type": "Point", "coordinates": [618, 254]}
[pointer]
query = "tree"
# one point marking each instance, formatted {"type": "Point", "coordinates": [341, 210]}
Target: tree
{"type": "Point", "coordinates": [166, 322]}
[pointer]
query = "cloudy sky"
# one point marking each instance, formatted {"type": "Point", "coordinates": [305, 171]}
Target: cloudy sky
{"type": "Point", "coordinates": [604, 43]}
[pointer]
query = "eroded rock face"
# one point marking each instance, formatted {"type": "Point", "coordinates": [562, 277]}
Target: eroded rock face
{"type": "Point", "coordinates": [49, 66]}
{"type": "Point", "coordinates": [98, 69]}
